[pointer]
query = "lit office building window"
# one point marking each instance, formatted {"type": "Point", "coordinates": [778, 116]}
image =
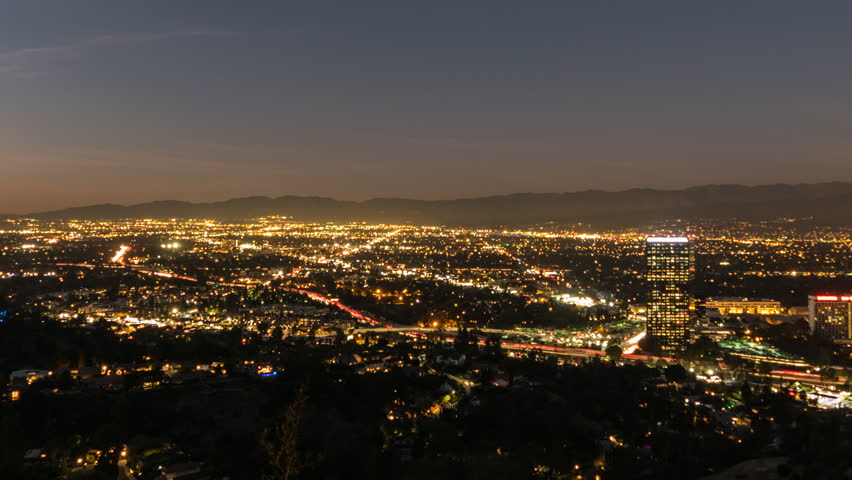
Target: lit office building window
{"type": "Point", "coordinates": [669, 277]}
{"type": "Point", "coordinates": [831, 316]}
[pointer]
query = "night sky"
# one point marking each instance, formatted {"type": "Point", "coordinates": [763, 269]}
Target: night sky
{"type": "Point", "coordinates": [108, 101]}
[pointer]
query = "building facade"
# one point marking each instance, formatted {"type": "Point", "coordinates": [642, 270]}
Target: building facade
{"type": "Point", "coordinates": [669, 276]}
{"type": "Point", "coordinates": [738, 306]}
{"type": "Point", "coordinates": [831, 316]}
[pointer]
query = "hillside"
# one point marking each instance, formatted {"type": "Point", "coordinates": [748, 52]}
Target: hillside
{"type": "Point", "coordinates": [829, 203]}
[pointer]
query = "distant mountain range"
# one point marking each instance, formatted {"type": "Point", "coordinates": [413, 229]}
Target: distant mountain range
{"type": "Point", "coordinates": [828, 203]}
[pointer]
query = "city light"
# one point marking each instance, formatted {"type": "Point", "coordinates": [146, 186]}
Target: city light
{"type": "Point", "coordinates": [667, 240]}
{"type": "Point", "coordinates": [301, 284]}
{"type": "Point", "coordinates": [547, 240]}
{"type": "Point", "coordinates": [119, 256]}
{"type": "Point", "coordinates": [834, 298]}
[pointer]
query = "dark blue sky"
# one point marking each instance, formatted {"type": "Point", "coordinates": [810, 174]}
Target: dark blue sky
{"type": "Point", "coordinates": [105, 101]}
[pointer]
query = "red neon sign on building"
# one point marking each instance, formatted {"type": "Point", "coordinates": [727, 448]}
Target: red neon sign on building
{"type": "Point", "coordinates": [833, 298]}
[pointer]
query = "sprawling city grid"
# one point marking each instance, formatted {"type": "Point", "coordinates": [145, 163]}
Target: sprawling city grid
{"type": "Point", "coordinates": [271, 348]}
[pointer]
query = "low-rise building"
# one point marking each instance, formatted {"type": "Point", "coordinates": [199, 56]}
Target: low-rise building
{"type": "Point", "coordinates": [739, 306]}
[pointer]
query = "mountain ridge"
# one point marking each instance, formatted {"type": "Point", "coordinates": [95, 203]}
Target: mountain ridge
{"type": "Point", "coordinates": [829, 202]}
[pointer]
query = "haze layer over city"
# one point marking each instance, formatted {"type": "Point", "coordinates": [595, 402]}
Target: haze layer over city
{"type": "Point", "coordinates": [395, 240]}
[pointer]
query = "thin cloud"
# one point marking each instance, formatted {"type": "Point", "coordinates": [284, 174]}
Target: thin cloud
{"type": "Point", "coordinates": [29, 62]}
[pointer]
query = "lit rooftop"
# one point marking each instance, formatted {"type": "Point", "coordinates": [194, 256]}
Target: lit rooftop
{"type": "Point", "coordinates": [667, 240]}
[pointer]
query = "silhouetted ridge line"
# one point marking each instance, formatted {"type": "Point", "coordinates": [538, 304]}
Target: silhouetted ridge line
{"type": "Point", "coordinates": [826, 202]}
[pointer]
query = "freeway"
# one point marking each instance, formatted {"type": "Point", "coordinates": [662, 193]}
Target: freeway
{"type": "Point", "coordinates": [317, 297]}
{"type": "Point", "coordinates": [573, 352]}
{"type": "Point", "coordinates": [787, 376]}
{"type": "Point", "coordinates": [386, 327]}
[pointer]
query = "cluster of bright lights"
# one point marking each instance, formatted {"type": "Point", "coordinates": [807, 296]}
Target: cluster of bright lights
{"type": "Point", "coordinates": [577, 300]}
{"type": "Point", "coordinates": [637, 338]}
{"type": "Point", "coordinates": [667, 240]}
{"type": "Point", "coordinates": [834, 298]}
{"type": "Point", "coordinates": [120, 254]}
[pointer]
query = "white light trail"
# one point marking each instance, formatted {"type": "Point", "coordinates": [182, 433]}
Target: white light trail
{"type": "Point", "coordinates": [119, 256]}
{"type": "Point", "coordinates": [636, 339]}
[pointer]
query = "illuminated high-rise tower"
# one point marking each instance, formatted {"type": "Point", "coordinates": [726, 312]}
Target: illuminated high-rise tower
{"type": "Point", "coordinates": [669, 275]}
{"type": "Point", "coordinates": [831, 316]}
